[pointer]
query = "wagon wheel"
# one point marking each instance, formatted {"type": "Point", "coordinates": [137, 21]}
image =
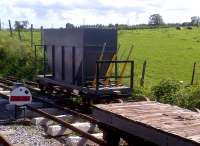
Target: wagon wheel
{"type": "Point", "coordinates": [49, 89]}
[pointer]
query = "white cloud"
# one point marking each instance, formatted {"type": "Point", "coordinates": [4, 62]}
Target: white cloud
{"type": "Point", "coordinates": [59, 12]}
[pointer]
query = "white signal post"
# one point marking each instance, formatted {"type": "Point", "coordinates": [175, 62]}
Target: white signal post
{"type": "Point", "coordinates": [20, 96]}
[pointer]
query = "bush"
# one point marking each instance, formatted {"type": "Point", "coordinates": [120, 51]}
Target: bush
{"type": "Point", "coordinates": [188, 97]}
{"type": "Point", "coordinates": [16, 58]}
{"type": "Point", "coordinates": [165, 90]}
{"type": "Point", "coordinates": [174, 92]}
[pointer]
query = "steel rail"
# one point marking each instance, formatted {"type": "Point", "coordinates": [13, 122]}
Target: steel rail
{"type": "Point", "coordinates": [5, 87]}
{"type": "Point", "coordinates": [86, 117]}
{"type": "Point", "coordinates": [68, 125]}
{"type": "Point", "coordinates": [65, 124]}
{"type": "Point", "coordinates": [11, 78]}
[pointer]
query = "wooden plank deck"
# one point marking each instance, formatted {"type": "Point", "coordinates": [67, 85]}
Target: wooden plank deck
{"type": "Point", "coordinates": [162, 124]}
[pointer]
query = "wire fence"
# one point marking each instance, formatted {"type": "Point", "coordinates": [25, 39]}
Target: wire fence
{"type": "Point", "coordinates": [30, 35]}
{"type": "Point", "coordinates": [147, 75]}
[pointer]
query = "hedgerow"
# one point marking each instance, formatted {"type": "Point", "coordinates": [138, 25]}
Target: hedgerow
{"type": "Point", "coordinates": [16, 57]}
{"type": "Point", "coordinates": [177, 93]}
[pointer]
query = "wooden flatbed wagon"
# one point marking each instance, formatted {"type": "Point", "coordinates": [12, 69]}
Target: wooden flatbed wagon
{"type": "Point", "coordinates": [149, 122]}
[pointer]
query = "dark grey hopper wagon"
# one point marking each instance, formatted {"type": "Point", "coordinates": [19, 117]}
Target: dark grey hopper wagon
{"type": "Point", "coordinates": [72, 56]}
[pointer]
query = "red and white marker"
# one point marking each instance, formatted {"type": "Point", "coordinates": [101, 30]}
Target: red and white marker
{"type": "Point", "coordinates": [20, 96]}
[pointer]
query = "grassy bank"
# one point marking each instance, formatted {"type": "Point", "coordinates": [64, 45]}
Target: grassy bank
{"type": "Point", "coordinates": [16, 57]}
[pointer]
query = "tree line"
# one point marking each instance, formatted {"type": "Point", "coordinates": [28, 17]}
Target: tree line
{"type": "Point", "coordinates": [155, 20]}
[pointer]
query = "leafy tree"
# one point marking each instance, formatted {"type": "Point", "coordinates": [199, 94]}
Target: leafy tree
{"type": "Point", "coordinates": [69, 25]}
{"type": "Point", "coordinates": [111, 25]}
{"type": "Point", "coordinates": [21, 24]}
{"type": "Point", "coordinates": [195, 20]}
{"type": "Point", "coordinates": [156, 19]}
{"type": "Point", "coordinates": [116, 25]}
{"type": "Point", "coordinates": [186, 23]}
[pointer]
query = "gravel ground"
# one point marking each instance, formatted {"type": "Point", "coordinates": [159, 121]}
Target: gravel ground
{"type": "Point", "coordinates": [29, 135]}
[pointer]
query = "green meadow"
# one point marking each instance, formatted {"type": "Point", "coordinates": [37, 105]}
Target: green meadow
{"type": "Point", "coordinates": [170, 53]}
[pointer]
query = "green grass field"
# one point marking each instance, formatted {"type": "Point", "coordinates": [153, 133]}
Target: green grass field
{"type": "Point", "coordinates": [170, 53]}
{"type": "Point", "coordinates": [25, 35]}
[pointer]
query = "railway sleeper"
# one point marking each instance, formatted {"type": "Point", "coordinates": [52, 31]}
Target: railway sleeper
{"type": "Point", "coordinates": [46, 122]}
{"type": "Point", "coordinates": [59, 130]}
{"type": "Point", "coordinates": [5, 92]}
{"type": "Point", "coordinates": [81, 141]}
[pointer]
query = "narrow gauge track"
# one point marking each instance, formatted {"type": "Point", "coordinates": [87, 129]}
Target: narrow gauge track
{"type": "Point", "coordinates": [14, 79]}
{"type": "Point", "coordinates": [33, 86]}
{"type": "Point", "coordinates": [84, 116]}
{"type": "Point", "coordinates": [6, 84]}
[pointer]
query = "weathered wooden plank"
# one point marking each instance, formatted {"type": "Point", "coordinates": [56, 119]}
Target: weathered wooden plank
{"type": "Point", "coordinates": [159, 123]}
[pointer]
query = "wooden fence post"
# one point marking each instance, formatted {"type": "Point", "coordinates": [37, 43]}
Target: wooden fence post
{"type": "Point", "coordinates": [132, 75]}
{"type": "Point", "coordinates": [19, 34]}
{"type": "Point", "coordinates": [193, 73]}
{"type": "Point", "coordinates": [0, 24]}
{"type": "Point", "coordinates": [143, 73]}
{"type": "Point", "coordinates": [10, 28]}
{"type": "Point", "coordinates": [32, 35]}
{"type": "Point", "coordinates": [41, 35]}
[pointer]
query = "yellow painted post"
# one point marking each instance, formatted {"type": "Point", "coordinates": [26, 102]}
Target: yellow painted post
{"type": "Point", "coordinates": [124, 66]}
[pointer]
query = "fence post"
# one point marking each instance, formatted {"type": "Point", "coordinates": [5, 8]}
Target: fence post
{"type": "Point", "coordinates": [35, 58]}
{"type": "Point", "coordinates": [193, 73]}
{"type": "Point", "coordinates": [19, 34]}
{"type": "Point", "coordinates": [0, 24]}
{"type": "Point", "coordinates": [10, 28]}
{"type": "Point", "coordinates": [143, 73]}
{"type": "Point", "coordinates": [132, 75]}
{"type": "Point", "coordinates": [41, 35]}
{"type": "Point", "coordinates": [32, 35]}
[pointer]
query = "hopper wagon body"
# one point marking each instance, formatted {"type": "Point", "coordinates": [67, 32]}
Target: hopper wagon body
{"type": "Point", "coordinates": [72, 57]}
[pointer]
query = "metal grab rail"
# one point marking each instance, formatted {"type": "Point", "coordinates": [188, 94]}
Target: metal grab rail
{"type": "Point", "coordinates": [116, 76]}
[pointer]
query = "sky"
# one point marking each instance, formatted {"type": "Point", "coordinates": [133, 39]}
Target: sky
{"type": "Point", "coordinates": [56, 13]}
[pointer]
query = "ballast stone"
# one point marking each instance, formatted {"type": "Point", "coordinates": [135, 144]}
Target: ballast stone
{"type": "Point", "coordinates": [3, 101]}
{"type": "Point", "coordinates": [36, 104]}
{"type": "Point", "coordinates": [10, 107]}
